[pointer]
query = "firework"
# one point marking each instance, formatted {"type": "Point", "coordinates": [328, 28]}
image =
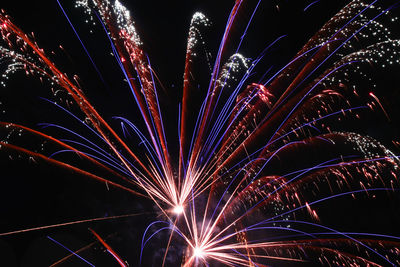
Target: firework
{"type": "Point", "coordinates": [255, 161]}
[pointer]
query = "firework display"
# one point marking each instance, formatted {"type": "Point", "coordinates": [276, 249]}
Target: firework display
{"type": "Point", "coordinates": [248, 165]}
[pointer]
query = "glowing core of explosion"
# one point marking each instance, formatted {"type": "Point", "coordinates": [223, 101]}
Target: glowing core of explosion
{"type": "Point", "coordinates": [178, 209]}
{"type": "Point", "coordinates": [198, 252]}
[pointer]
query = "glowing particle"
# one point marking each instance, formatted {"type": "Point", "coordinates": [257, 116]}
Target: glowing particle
{"type": "Point", "coordinates": [178, 209]}
{"type": "Point", "coordinates": [198, 252]}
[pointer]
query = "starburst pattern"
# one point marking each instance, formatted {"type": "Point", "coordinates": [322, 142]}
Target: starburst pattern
{"type": "Point", "coordinates": [257, 158]}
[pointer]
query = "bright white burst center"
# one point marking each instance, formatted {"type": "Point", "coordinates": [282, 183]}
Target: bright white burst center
{"type": "Point", "coordinates": [178, 209]}
{"type": "Point", "coordinates": [198, 252]}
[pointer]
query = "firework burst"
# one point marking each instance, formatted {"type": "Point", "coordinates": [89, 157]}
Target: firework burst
{"type": "Point", "coordinates": [256, 158]}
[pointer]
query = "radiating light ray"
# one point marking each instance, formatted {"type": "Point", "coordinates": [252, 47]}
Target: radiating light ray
{"type": "Point", "coordinates": [71, 223]}
{"type": "Point", "coordinates": [58, 243]}
{"type": "Point", "coordinates": [81, 42]}
{"type": "Point", "coordinates": [72, 254]}
{"type": "Point", "coordinates": [109, 249]}
{"type": "Point", "coordinates": [310, 5]}
{"type": "Point", "coordinates": [239, 168]}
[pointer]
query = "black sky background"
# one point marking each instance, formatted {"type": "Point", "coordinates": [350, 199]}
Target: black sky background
{"type": "Point", "coordinates": [38, 194]}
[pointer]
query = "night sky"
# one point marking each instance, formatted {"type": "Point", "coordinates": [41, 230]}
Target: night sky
{"type": "Point", "coordinates": [37, 194]}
